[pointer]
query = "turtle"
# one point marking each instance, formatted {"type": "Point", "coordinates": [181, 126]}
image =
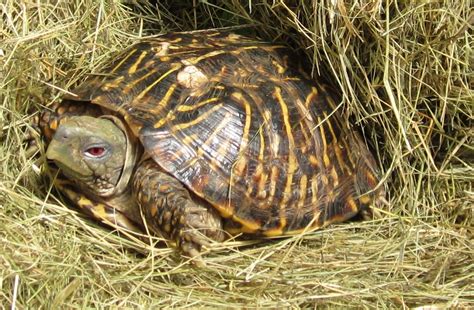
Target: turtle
{"type": "Point", "coordinates": [201, 136]}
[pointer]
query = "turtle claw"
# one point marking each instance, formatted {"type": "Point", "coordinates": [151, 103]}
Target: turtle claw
{"type": "Point", "coordinates": [32, 148]}
{"type": "Point", "coordinates": [192, 251]}
{"type": "Point", "coordinates": [200, 227]}
{"type": "Point", "coordinates": [195, 237]}
{"type": "Point", "coordinates": [31, 139]}
{"type": "Point", "coordinates": [191, 243]}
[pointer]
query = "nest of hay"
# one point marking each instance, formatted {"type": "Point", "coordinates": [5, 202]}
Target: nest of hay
{"type": "Point", "coordinates": [405, 74]}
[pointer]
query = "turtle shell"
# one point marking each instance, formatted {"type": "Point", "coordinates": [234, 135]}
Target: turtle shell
{"type": "Point", "coordinates": [240, 123]}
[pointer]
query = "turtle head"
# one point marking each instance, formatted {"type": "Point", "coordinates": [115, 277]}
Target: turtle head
{"type": "Point", "coordinates": [92, 152]}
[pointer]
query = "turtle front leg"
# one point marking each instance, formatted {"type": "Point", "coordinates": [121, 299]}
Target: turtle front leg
{"type": "Point", "coordinates": [169, 209]}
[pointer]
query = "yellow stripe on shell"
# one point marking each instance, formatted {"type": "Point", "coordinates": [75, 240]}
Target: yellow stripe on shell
{"type": "Point", "coordinates": [352, 204]}
{"type": "Point", "coordinates": [314, 190]}
{"type": "Point", "coordinates": [224, 210]}
{"type": "Point", "coordinates": [280, 68]}
{"type": "Point", "coordinates": [303, 110]}
{"type": "Point", "coordinates": [164, 101]}
{"type": "Point", "coordinates": [259, 171]}
{"type": "Point", "coordinates": [313, 160]}
{"type": "Point", "coordinates": [292, 162]}
{"type": "Point", "coordinates": [340, 160]}
{"type": "Point", "coordinates": [311, 96]}
{"type": "Point", "coordinates": [248, 118]}
{"type": "Point", "coordinates": [274, 138]}
{"type": "Point", "coordinates": [187, 108]}
{"type": "Point", "coordinates": [263, 177]}
{"type": "Point", "coordinates": [169, 117]}
{"type": "Point", "coordinates": [331, 130]}
{"type": "Point", "coordinates": [247, 226]}
{"type": "Point", "coordinates": [134, 66]}
{"type": "Point", "coordinates": [240, 163]}
{"type": "Point", "coordinates": [337, 149]}
{"type": "Point", "coordinates": [303, 190]}
{"type": "Point", "coordinates": [370, 177]}
{"type": "Point", "coordinates": [365, 199]}
{"type": "Point", "coordinates": [130, 85]}
{"type": "Point", "coordinates": [153, 210]}
{"type": "Point", "coordinates": [325, 180]}
{"type": "Point", "coordinates": [274, 231]}
{"type": "Point", "coordinates": [309, 142]}
{"type": "Point", "coordinates": [113, 84]}
{"type": "Point", "coordinates": [198, 119]}
{"type": "Point", "coordinates": [124, 59]}
{"type": "Point", "coordinates": [334, 176]}
{"type": "Point", "coordinates": [244, 48]}
{"type": "Point", "coordinates": [261, 151]}
{"type": "Point", "coordinates": [161, 78]}
{"type": "Point", "coordinates": [189, 139]}
{"type": "Point", "coordinates": [196, 60]}
{"type": "Point", "coordinates": [177, 40]}
{"type": "Point", "coordinates": [252, 47]}
{"type": "Point", "coordinates": [274, 173]}
{"type": "Point", "coordinates": [323, 139]}
{"type": "Point", "coordinates": [239, 166]}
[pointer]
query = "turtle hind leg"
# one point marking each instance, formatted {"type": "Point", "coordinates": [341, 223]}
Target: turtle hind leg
{"type": "Point", "coordinates": [169, 209]}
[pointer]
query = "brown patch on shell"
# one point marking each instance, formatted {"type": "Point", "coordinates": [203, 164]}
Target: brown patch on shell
{"type": "Point", "coordinates": [192, 77]}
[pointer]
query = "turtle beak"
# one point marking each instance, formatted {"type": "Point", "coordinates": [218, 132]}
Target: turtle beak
{"type": "Point", "coordinates": [56, 150]}
{"type": "Point", "coordinates": [61, 151]}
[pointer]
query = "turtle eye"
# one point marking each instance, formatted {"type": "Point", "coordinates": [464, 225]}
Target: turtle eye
{"type": "Point", "coordinates": [95, 152]}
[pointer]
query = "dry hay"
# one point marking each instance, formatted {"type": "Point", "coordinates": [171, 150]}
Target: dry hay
{"type": "Point", "coordinates": [405, 71]}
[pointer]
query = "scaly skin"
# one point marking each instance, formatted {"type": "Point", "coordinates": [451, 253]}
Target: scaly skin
{"type": "Point", "coordinates": [169, 209]}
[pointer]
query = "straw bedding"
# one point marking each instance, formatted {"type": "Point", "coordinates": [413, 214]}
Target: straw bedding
{"type": "Point", "coordinates": [404, 69]}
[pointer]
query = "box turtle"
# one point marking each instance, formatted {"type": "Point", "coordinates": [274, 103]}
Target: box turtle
{"type": "Point", "coordinates": [199, 136]}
